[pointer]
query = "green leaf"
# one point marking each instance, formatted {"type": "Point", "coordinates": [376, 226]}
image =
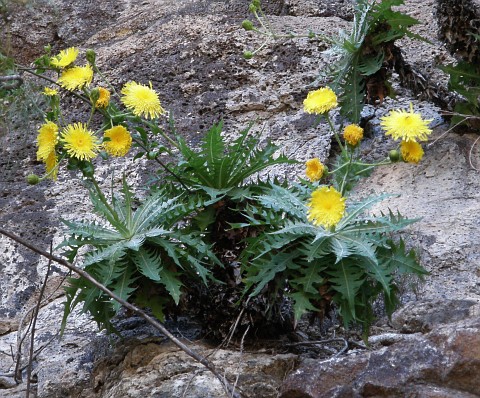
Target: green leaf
{"type": "Point", "coordinates": [346, 280]}
{"type": "Point", "coordinates": [301, 304]}
{"type": "Point", "coordinates": [269, 269]}
{"type": "Point", "coordinates": [396, 259]}
{"type": "Point", "coordinates": [358, 244]}
{"type": "Point", "coordinates": [378, 271]}
{"type": "Point", "coordinates": [148, 262]}
{"type": "Point", "coordinates": [340, 248]}
{"type": "Point", "coordinates": [368, 65]}
{"type": "Point", "coordinates": [172, 283]}
{"type": "Point", "coordinates": [122, 287]}
{"type": "Point", "coordinates": [357, 209]}
{"type": "Point", "coordinates": [310, 278]}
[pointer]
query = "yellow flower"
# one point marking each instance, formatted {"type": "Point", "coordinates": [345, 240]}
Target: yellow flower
{"type": "Point", "coordinates": [320, 101]}
{"type": "Point", "coordinates": [119, 141]}
{"type": "Point", "coordinates": [327, 207]}
{"type": "Point", "coordinates": [47, 138]}
{"type": "Point", "coordinates": [141, 100]}
{"type": "Point", "coordinates": [352, 134]}
{"type": "Point", "coordinates": [412, 151]}
{"type": "Point", "coordinates": [51, 165]}
{"type": "Point", "coordinates": [79, 142]}
{"type": "Point", "coordinates": [408, 126]}
{"type": "Point", "coordinates": [49, 92]}
{"type": "Point", "coordinates": [76, 77]}
{"type": "Point", "coordinates": [104, 98]}
{"type": "Point", "coordinates": [315, 169]}
{"type": "Point", "coordinates": [65, 57]}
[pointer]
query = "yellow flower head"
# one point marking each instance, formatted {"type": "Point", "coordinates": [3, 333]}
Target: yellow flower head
{"type": "Point", "coordinates": [47, 138]}
{"type": "Point", "coordinates": [65, 57]}
{"type": "Point", "coordinates": [141, 100]}
{"type": "Point", "coordinates": [412, 151]}
{"type": "Point", "coordinates": [76, 78]}
{"type": "Point", "coordinates": [320, 101]}
{"type": "Point", "coordinates": [327, 207]}
{"type": "Point", "coordinates": [315, 169]}
{"type": "Point", "coordinates": [51, 165]}
{"type": "Point", "coordinates": [119, 141]}
{"type": "Point", "coordinates": [407, 126]}
{"type": "Point", "coordinates": [50, 92]}
{"type": "Point", "coordinates": [103, 99]}
{"type": "Point", "coordinates": [79, 142]}
{"type": "Point", "coordinates": [352, 134]}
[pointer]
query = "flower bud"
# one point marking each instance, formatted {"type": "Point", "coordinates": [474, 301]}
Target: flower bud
{"type": "Point", "coordinates": [394, 155]}
{"type": "Point", "coordinates": [247, 25]}
{"type": "Point", "coordinates": [94, 95]}
{"type": "Point", "coordinates": [247, 55]}
{"type": "Point", "coordinates": [91, 56]}
{"type": "Point", "coordinates": [33, 179]}
{"type": "Point", "coordinates": [252, 8]}
{"type": "Point", "coordinates": [256, 3]}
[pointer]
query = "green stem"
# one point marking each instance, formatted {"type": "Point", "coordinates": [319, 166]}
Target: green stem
{"type": "Point", "coordinates": [332, 127]}
{"type": "Point", "coordinates": [28, 70]}
{"type": "Point", "coordinates": [345, 176]}
{"type": "Point", "coordinates": [369, 165]}
{"type": "Point", "coordinates": [162, 133]}
{"type": "Point", "coordinates": [53, 169]}
{"type": "Point", "coordinates": [104, 200]}
{"type": "Point", "coordinates": [165, 167]}
{"type": "Point", "coordinates": [95, 68]}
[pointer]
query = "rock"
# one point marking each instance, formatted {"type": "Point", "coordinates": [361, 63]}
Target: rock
{"type": "Point", "coordinates": [192, 51]}
{"type": "Point", "coordinates": [443, 364]}
{"type": "Point", "coordinates": [457, 20]}
{"type": "Point", "coordinates": [423, 316]}
{"type": "Point", "coordinates": [156, 368]}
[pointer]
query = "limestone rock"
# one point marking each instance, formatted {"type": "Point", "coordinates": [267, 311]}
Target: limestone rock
{"type": "Point", "coordinates": [442, 364]}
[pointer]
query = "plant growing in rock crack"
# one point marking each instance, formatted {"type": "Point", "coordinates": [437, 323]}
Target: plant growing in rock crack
{"type": "Point", "coordinates": [318, 246]}
{"type": "Point", "coordinates": [210, 229]}
{"type": "Point", "coordinates": [362, 58]}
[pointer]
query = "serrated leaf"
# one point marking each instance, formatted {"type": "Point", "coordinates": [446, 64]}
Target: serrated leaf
{"type": "Point", "coordinates": [269, 269]}
{"type": "Point", "coordinates": [346, 280]}
{"type": "Point", "coordinates": [369, 65]}
{"type": "Point", "coordinates": [340, 248]}
{"type": "Point", "coordinates": [148, 262]}
{"type": "Point", "coordinates": [301, 305]}
{"type": "Point", "coordinates": [310, 278]}
{"type": "Point", "coordinates": [122, 287]}
{"type": "Point", "coordinates": [172, 283]}
{"type": "Point", "coordinates": [396, 259]}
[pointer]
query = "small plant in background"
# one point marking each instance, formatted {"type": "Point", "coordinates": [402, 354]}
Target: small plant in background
{"type": "Point", "coordinates": [362, 58]}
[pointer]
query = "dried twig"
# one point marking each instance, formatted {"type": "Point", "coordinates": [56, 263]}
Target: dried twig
{"type": "Point", "coordinates": [323, 342]}
{"type": "Point", "coordinates": [158, 325]}
{"type": "Point", "coordinates": [35, 316]}
{"type": "Point", "coordinates": [470, 154]}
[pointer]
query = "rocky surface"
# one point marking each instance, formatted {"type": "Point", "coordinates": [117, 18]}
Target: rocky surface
{"type": "Point", "coordinates": [192, 51]}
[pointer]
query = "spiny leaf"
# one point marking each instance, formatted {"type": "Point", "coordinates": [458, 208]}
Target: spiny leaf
{"type": "Point", "coordinates": [113, 252]}
{"type": "Point", "coordinates": [301, 304]}
{"type": "Point", "coordinates": [346, 280]}
{"type": "Point", "coordinates": [396, 259]}
{"type": "Point", "coordinates": [122, 287]}
{"type": "Point", "coordinates": [310, 279]}
{"type": "Point", "coordinates": [148, 262]}
{"type": "Point", "coordinates": [269, 269]}
{"type": "Point", "coordinates": [172, 283]}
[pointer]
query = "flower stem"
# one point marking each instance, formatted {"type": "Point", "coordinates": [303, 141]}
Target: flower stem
{"type": "Point", "coordinates": [332, 127]}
